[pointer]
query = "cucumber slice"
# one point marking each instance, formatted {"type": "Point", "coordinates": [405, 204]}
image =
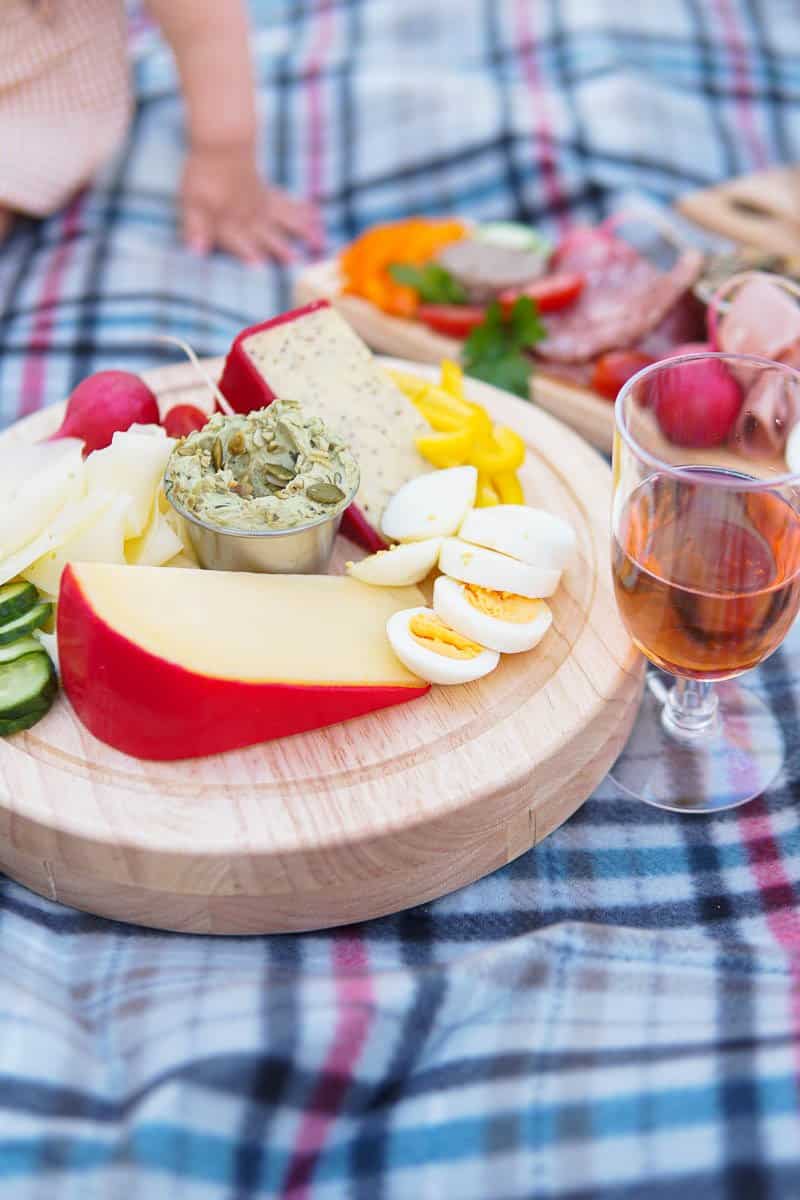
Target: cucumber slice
{"type": "Point", "coordinates": [512, 236]}
{"type": "Point", "coordinates": [25, 645]}
{"type": "Point", "coordinates": [17, 724]}
{"type": "Point", "coordinates": [26, 685]}
{"type": "Point", "coordinates": [30, 620]}
{"type": "Point", "coordinates": [15, 599]}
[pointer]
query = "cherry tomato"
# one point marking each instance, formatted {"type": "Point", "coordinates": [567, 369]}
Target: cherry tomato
{"type": "Point", "coordinates": [551, 293]}
{"type": "Point", "coordinates": [184, 419]}
{"type": "Point", "coordinates": [453, 320]}
{"type": "Point", "coordinates": [616, 367]}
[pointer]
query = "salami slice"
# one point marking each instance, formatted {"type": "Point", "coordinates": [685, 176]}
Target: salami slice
{"type": "Point", "coordinates": [485, 269]}
{"type": "Point", "coordinates": [625, 297]}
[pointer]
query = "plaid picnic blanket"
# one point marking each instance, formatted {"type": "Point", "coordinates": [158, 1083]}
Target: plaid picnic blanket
{"type": "Point", "coordinates": [617, 1013]}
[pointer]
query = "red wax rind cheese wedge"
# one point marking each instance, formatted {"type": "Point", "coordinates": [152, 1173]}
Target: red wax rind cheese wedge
{"type": "Point", "coordinates": [242, 384]}
{"type": "Point", "coordinates": [166, 664]}
{"type": "Point", "coordinates": [312, 355]}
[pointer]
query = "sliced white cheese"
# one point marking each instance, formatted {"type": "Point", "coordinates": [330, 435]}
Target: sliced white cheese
{"type": "Point", "coordinates": [320, 361]}
{"type": "Point", "coordinates": [100, 538]}
{"type": "Point", "coordinates": [157, 545]}
{"type": "Point", "coordinates": [35, 483]}
{"type": "Point", "coordinates": [74, 515]}
{"type": "Point", "coordinates": [134, 463]}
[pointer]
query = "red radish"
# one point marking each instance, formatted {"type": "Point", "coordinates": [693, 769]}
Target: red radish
{"type": "Point", "coordinates": [104, 404]}
{"type": "Point", "coordinates": [696, 403]}
{"type": "Point", "coordinates": [184, 419]}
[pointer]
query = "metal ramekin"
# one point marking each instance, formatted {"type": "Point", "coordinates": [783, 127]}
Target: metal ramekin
{"type": "Point", "coordinates": [304, 550]}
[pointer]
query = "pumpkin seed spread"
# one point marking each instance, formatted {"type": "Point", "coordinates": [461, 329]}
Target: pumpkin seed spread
{"type": "Point", "coordinates": [274, 468]}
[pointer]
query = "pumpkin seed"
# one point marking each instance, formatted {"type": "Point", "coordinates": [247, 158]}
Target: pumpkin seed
{"type": "Point", "coordinates": [276, 469]}
{"type": "Point", "coordinates": [287, 434]}
{"type": "Point", "coordinates": [216, 454]}
{"type": "Point", "coordinates": [236, 443]}
{"type": "Point", "coordinates": [322, 492]}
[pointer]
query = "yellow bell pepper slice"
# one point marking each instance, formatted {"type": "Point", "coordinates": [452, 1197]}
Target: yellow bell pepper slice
{"type": "Point", "coordinates": [503, 451]}
{"type": "Point", "coordinates": [440, 419]}
{"type": "Point", "coordinates": [452, 378]}
{"type": "Point", "coordinates": [508, 487]}
{"type": "Point", "coordinates": [480, 420]}
{"type": "Point", "coordinates": [410, 385]}
{"type": "Point", "coordinates": [486, 496]}
{"type": "Point", "coordinates": [445, 449]}
{"type": "Point", "coordinates": [437, 395]}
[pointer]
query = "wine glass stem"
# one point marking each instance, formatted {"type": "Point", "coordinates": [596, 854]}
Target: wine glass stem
{"type": "Point", "coordinates": [690, 711]}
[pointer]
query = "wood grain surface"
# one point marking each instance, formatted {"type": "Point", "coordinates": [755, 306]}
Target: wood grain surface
{"type": "Point", "coordinates": [589, 414]}
{"type": "Point", "coordinates": [760, 210]}
{"type": "Point", "coordinates": [361, 819]}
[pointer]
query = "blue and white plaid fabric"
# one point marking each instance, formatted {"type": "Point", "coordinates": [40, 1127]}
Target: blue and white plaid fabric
{"type": "Point", "coordinates": [614, 1016]}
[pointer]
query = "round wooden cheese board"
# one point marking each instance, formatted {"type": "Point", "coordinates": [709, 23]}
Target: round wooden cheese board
{"type": "Point", "coordinates": [360, 819]}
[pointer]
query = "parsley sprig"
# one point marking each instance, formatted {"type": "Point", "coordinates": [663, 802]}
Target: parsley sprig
{"type": "Point", "coordinates": [496, 350]}
{"type": "Point", "coordinates": [433, 283]}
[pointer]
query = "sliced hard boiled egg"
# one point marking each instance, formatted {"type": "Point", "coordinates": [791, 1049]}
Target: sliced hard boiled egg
{"type": "Point", "coordinates": [432, 505]}
{"type": "Point", "coordinates": [529, 534]}
{"type": "Point", "coordinates": [489, 569]}
{"type": "Point", "coordinates": [398, 567]}
{"type": "Point", "coordinates": [499, 620]}
{"type": "Point", "coordinates": [434, 651]}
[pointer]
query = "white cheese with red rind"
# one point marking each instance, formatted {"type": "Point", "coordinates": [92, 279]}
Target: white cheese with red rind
{"type": "Point", "coordinates": [316, 358]}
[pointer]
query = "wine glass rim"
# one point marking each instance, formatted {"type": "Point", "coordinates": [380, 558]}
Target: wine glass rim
{"type": "Point", "coordinates": [687, 470]}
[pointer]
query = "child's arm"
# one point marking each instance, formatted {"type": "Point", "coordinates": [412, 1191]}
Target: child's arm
{"type": "Point", "coordinates": [224, 201]}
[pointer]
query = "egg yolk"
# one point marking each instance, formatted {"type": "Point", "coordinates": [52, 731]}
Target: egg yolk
{"type": "Point", "coordinates": [504, 606]}
{"type": "Point", "coordinates": [432, 634]}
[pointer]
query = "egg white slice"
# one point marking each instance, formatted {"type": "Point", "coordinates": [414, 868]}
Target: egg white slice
{"type": "Point", "coordinates": [432, 505]}
{"type": "Point", "coordinates": [489, 569]}
{"type": "Point", "coordinates": [529, 534]}
{"type": "Point", "coordinates": [428, 664]}
{"type": "Point", "coordinates": [451, 602]}
{"type": "Point", "coordinates": [398, 567]}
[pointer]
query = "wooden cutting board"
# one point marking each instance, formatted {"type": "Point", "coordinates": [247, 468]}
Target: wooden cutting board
{"type": "Point", "coordinates": [361, 819]}
{"type": "Point", "coordinates": [760, 210]}
{"type": "Point", "coordinates": [583, 410]}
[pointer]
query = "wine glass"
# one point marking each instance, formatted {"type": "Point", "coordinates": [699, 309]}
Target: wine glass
{"type": "Point", "coordinates": [706, 567]}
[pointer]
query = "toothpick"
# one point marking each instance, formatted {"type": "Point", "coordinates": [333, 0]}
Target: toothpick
{"type": "Point", "coordinates": [195, 361]}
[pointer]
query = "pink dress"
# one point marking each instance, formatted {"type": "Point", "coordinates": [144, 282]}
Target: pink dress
{"type": "Point", "coordinates": [65, 98]}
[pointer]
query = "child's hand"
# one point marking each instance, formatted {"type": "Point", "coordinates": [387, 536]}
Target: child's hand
{"type": "Point", "coordinates": [226, 205]}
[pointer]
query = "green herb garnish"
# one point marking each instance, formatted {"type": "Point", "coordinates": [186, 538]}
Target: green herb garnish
{"type": "Point", "coordinates": [495, 350]}
{"type": "Point", "coordinates": [431, 282]}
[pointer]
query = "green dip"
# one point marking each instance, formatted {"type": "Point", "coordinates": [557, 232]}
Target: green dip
{"type": "Point", "coordinates": [274, 468]}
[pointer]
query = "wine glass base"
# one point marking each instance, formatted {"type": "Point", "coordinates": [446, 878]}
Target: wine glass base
{"type": "Point", "coordinates": [732, 764]}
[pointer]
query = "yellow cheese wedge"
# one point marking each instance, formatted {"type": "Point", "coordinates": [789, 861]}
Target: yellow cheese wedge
{"type": "Point", "coordinates": [174, 664]}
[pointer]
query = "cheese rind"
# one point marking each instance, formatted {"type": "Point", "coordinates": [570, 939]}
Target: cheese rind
{"type": "Point", "coordinates": [177, 664]}
{"type": "Point", "coordinates": [312, 355]}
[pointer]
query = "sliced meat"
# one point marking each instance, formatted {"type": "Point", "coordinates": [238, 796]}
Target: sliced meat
{"type": "Point", "coordinates": [625, 298]}
{"type": "Point", "coordinates": [770, 410]}
{"type": "Point", "coordinates": [685, 322]}
{"type": "Point", "coordinates": [485, 270]}
{"type": "Point", "coordinates": [577, 374]}
{"type": "Point", "coordinates": [762, 319]}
